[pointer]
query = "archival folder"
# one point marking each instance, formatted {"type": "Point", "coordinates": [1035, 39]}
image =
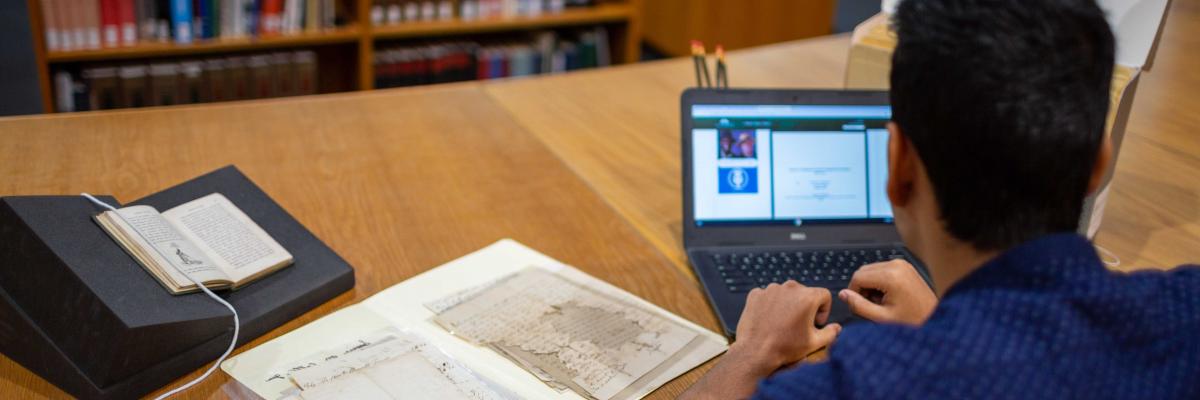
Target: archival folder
{"type": "Point", "coordinates": [77, 310]}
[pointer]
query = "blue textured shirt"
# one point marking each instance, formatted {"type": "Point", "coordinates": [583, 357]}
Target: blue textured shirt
{"type": "Point", "coordinates": [1043, 320]}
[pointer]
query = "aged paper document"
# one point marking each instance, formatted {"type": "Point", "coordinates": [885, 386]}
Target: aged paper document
{"type": "Point", "coordinates": [564, 333]}
{"type": "Point", "coordinates": [385, 365]}
{"type": "Point", "coordinates": [409, 307]}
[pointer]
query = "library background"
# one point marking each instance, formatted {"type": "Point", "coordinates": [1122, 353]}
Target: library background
{"type": "Point", "coordinates": [81, 55]}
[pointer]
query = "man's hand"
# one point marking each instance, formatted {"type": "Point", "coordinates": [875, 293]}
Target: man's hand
{"type": "Point", "coordinates": [895, 291]}
{"type": "Point", "coordinates": [776, 329]}
{"type": "Point", "coordinates": [777, 325]}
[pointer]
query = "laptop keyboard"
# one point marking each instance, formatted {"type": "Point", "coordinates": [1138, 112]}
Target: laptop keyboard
{"type": "Point", "coordinates": [743, 271]}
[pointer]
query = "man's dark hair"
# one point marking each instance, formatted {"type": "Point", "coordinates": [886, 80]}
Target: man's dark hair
{"type": "Point", "coordinates": [1005, 101]}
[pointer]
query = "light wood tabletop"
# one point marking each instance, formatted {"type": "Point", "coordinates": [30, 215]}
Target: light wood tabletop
{"type": "Point", "coordinates": [619, 129]}
{"type": "Point", "coordinates": [397, 182]}
{"type": "Point", "coordinates": [583, 167]}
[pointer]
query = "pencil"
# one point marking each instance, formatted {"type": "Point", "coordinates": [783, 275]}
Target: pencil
{"type": "Point", "coordinates": [722, 72]}
{"type": "Point", "coordinates": [704, 64]}
{"type": "Point", "coordinates": [697, 61]}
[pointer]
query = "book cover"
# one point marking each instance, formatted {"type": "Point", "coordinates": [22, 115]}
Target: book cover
{"type": "Point", "coordinates": [181, 20]}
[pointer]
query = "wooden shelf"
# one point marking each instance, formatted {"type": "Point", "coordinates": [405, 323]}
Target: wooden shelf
{"type": "Point", "coordinates": [348, 34]}
{"type": "Point", "coordinates": [603, 13]}
{"type": "Point", "coordinates": [354, 44]}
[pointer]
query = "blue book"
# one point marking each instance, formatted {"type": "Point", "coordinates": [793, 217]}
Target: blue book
{"type": "Point", "coordinates": [250, 13]}
{"type": "Point", "coordinates": [181, 20]}
{"type": "Point", "coordinates": [204, 12]}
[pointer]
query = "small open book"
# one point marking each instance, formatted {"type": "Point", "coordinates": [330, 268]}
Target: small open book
{"type": "Point", "coordinates": [209, 239]}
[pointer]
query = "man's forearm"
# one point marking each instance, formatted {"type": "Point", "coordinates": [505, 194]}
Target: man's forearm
{"type": "Point", "coordinates": [734, 377]}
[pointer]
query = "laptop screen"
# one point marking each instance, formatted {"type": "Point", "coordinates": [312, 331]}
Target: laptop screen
{"type": "Point", "coordinates": [789, 164]}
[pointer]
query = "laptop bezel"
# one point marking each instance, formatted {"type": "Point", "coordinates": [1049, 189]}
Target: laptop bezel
{"type": "Point", "coordinates": [867, 233]}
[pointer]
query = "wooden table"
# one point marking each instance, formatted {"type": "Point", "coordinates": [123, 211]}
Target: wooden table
{"type": "Point", "coordinates": [583, 167]}
{"type": "Point", "coordinates": [397, 182]}
{"type": "Point", "coordinates": [619, 130]}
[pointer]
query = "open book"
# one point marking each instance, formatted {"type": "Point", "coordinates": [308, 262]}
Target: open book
{"type": "Point", "coordinates": [209, 239]}
{"type": "Point", "coordinates": [515, 323]}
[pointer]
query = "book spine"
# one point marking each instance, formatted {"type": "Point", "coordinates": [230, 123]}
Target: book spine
{"type": "Point", "coordinates": [60, 15]}
{"type": "Point", "coordinates": [250, 11]}
{"type": "Point", "coordinates": [238, 20]}
{"type": "Point", "coordinates": [328, 14]}
{"type": "Point", "coordinates": [50, 26]}
{"type": "Point", "coordinates": [110, 23]}
{"type": "Point", "coordinates": [71, 14]}
{"type": "Point", "coordinates": [312, 15]}
{"type": "Point", "coordinates": [64, 97]}
{"type": "Point", "coordinates": [203, 18]}
{"type": "Point", "coordinates": [226, 14]}
{"type": "Point", "coordinates": [128, 18]}
{"type": "Point", "coordinates": [181, 18]}
{"type": "Point", "coordinates": [291, 16]}
{"type": "Point", "coordinates": [91, 24]}
{"type": "Point", "coordinates": [215, 7]}
{"type": "Point", "coordinates": [271, 18]}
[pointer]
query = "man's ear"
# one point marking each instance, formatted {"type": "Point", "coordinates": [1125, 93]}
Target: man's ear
{"type": "Point", "coordinates": [1103, 158]}
{"type": "Point", "coordinates": [902, 169]}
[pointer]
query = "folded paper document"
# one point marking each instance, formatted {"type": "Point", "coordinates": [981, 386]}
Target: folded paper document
{"type": "Point", "coordinates": [511, 323]}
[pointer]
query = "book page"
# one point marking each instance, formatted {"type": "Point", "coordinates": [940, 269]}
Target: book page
{"type": "Point", "coordinates": [386, 364]}
{"type": "Point", "coordinates": [166, 246]}
{"type": "Point", "coordinates": [239, 246]}
{"type": "Point", "coordinates": [592, 343]}
{"type": "Point", "coordinates": [406, 305]}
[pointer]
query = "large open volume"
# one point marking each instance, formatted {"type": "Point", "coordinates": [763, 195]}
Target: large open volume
{"type": "Point", "coordinates": [503, 322]}
{"type": "Point", "coordinates": [209, 239]}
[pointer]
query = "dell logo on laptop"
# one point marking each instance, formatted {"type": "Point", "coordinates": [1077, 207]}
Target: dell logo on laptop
{"type": "Point", "coordinates": [798, 236]}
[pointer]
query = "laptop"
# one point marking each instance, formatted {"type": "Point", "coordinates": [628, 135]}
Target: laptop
{"type": "Point", "coordinates": [785, 185]}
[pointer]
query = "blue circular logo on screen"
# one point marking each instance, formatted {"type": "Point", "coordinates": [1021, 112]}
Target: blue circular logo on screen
{"type": "Point", "coordinates": [737, 179]}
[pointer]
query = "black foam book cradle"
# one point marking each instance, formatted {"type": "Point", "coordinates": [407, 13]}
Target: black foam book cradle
{"type": "Point", "coordinates": [77, 310]}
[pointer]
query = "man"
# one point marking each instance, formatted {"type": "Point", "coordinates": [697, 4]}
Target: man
{"type": "Point", "coordinates": [998, 134]}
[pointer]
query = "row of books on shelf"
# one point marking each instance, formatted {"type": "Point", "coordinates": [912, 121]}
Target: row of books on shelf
{"type": "Point", "coordinates": [391, 12]}
{"type": "Point", "coordinates": [93, 24]}
{"type": "Point", "coordinates": [445, 62]}
{"type": "Point", "coordinates": [193, 81]}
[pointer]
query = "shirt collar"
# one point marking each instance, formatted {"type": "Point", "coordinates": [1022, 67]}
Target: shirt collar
{"type": "Point", "coordinates": [1045, 262]}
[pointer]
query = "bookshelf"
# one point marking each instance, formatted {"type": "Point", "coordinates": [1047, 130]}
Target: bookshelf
{"type": "Point", "coordinates": [348, 34]}
{"type": "Point", "coordinates": [347, 53]}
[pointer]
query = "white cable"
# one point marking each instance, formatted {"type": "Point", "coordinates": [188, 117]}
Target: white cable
{"type": "Point", "coordinates": [236, 322]}
{"type": "Point", "coordinates": [1106, 253]}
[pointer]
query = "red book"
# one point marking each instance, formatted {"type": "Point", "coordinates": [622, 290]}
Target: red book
{"type": "Point", "coordinates": [128, 20]}
{"type": "Point", "coordinates": [271, 17]}
{"type": "Point", "coordinates": [110, 23]}
{"type": "Point", "coordinates": [482, 65]}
